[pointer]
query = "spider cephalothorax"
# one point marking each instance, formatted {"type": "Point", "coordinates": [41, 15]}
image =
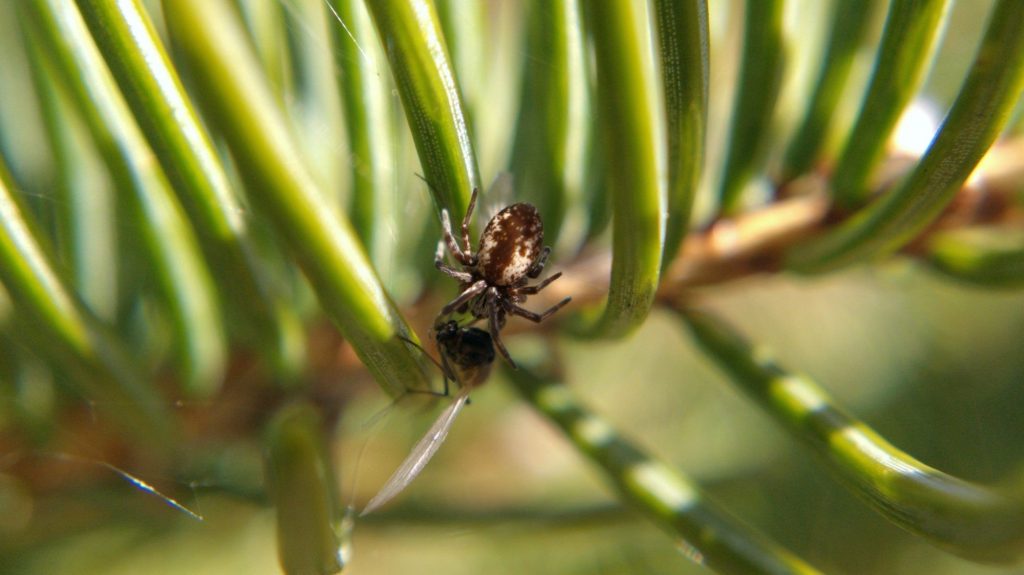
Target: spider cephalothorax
{"type": "Point", "coordinates": [493, 280]}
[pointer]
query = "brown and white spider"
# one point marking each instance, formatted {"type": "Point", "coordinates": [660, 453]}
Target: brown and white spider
{"type": "Point", "coordinates": [493, 281]}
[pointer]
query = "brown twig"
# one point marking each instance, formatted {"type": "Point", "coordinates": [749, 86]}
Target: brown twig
{"type": "Point", "coordinates": [753, 243]}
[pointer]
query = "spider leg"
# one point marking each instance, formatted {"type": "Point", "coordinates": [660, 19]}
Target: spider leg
{"type": "Point", "coordinates": [538, 266]}
{"type": "Point", "coordinates": [531, 290]}
{"type": "Point", "coordinates": [495, 321]}
{"type": "Point", "coordinates": [466, 295]}
{"type": "Point", "coordinates": [534, 316]}
{"type": "Point", "coordinates": [497, 300]}
{"type": "Point", "coordinates": [460, 276]}
{"type": "Point", "coordinates": [439, 253]}
{"type": "Point", "coordinates": [466, 221]}
{"type": "Point", "coordinates": [463, 277]}
{"type": "Point", "coordinates": [464, 258]}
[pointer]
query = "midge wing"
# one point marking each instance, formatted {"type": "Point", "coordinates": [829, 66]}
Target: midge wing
{"type": "Point", "coordinates": [420, 454]}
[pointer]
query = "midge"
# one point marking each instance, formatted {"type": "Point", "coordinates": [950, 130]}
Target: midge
{"type": "Point", "coordinates": [467, 354]}
{"type": "Point", "coordinates": [493, 281]}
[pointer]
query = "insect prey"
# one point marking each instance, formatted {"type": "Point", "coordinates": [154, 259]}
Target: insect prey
{"type": "Point", "coordinates": [467, 354]}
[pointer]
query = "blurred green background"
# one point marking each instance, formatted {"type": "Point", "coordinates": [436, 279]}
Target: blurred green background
{"type": "Point", "coordinates": [934, 366]}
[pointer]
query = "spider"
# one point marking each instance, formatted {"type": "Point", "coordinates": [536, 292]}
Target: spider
{"type": "Point", "coordinates": [493, 281]}
{"type": "Point", "coordinates": [466, 357]}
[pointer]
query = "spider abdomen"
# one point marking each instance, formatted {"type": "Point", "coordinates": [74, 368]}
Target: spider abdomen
{"type": "Point", "coordinates": [510, 245]}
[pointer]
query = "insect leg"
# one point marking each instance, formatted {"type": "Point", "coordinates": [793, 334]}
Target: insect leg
{"type": "Point", "coordinates": [420, 347]}
{"type": "Point", "coordinates": [446, 372]}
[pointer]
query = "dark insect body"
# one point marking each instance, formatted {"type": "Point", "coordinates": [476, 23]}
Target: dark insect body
{"type": "Point", "coordinates": [494, 280]}
{"type": "Point", "coordinates": [467, 354]}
